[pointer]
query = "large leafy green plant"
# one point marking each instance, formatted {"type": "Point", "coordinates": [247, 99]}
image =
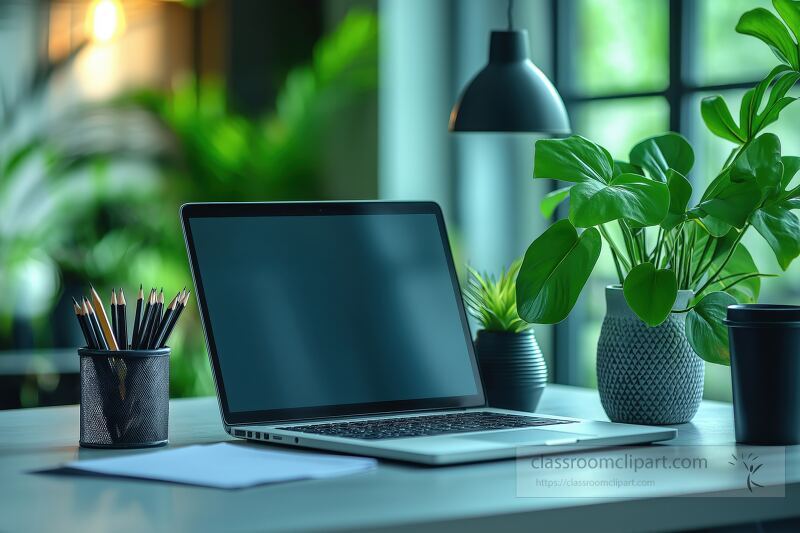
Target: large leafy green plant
{"type": "Point", "coordinates": [661, 244]}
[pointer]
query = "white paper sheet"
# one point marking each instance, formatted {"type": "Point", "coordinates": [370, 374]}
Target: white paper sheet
{"type": "Point", "coordinates": [226, 465]}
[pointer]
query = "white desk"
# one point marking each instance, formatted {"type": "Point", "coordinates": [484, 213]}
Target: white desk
{"type": "Point", "coordinates": [478, 497]}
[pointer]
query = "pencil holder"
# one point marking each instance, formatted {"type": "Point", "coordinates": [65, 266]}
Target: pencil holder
{"type": "Point", "coordinates": [124, 398]}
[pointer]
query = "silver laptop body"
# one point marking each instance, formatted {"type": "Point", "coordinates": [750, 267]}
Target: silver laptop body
{"type": "Point", "coordinates": [322, 319]}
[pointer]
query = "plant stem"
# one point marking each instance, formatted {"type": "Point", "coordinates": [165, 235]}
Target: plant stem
{"type": "Point", "coordinates": [730, 158]}
{"type": "Point", "coordinates": [614, 250]}
{"type": "Point", "coordinates": [668, 248]}
{"type": "Point", "coordinates": [689, 251]}
{"type": "Point", "coordinates": [675, 259]}
{"type": "Point", "coordinates": [657, 246]}
{"type": "Point", "coordinates": [711, 279]}
{"type": "Point", "coordinates": [745, 278]}
{"type": "Point", "coordinates": [643, 238]}
{"type": "Point", "coordinates": [627, 243]}
{"type": "Point", "coordinates": [701, 267]}
{"type": "Point", "coordinates": [616, 265]}
{"type": "Point", "coordinates": [760, 274]}
{"type": "Point", "coordinates": [630, 242]}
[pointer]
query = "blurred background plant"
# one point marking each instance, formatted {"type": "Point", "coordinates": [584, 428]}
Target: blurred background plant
{"type": "Point", "coordinates": [92, 194]}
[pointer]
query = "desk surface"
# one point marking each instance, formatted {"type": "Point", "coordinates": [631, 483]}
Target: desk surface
{"type": "Point", "coordinates": [395, 496]}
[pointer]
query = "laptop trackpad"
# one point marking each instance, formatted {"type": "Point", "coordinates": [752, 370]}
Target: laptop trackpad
{"type": "Point", "coordinates": [528, 436]}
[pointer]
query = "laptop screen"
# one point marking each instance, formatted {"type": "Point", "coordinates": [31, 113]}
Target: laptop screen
{"type": "Point", "coordinates": [332, 310]}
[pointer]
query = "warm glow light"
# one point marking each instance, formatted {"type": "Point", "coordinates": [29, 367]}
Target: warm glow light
{"type": "Point", "coordinates": [106, 20]}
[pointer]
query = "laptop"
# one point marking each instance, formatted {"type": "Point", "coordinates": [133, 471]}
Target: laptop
{"type": "Point", "coordinates": [340, 326]}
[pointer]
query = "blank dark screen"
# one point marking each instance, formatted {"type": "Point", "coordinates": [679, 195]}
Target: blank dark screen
{"type": "Point", "coordinates": [330, 310]}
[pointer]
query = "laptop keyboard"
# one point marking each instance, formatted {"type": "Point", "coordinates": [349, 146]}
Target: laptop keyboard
{"type": "Point", "coordinates": [425, 426]}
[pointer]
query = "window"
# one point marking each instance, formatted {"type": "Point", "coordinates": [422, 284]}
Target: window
{"type": "Point", "coordinates": [632, 68]}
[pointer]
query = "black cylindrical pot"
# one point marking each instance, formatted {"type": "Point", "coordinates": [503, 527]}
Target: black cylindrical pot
{"type": "Point", "coordinates": [512, 368]}
{"type": "Point", "coordinates": [765, 372]}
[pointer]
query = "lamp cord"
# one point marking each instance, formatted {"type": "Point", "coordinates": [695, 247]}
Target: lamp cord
{"type": "Point", "coordinates": [510, 14]}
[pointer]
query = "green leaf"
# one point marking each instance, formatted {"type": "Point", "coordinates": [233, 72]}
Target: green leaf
{"type": "Point", "coordinates": [791, 203]}
{"type": "Point", "coordinates": [554, 271]}
{"type": "Point", "coordinates": [719, 121]}
{"type": "Point", "coordinates": [751, 102]}
{"type": "Point", "coordinates": [789, 10]}
{"type": "Point", "coordinates": [781, 229]}
{"type": "Point", "coordinates": [755, 175]}
{"type": "Point", "coordinates": [791, 164]}
{"type": "Point", "coordinates": [732, 204]}
{"type": "Point", "coordinates": [714, 226]}
{"type": "Point", "coordinates": [491, 300]}
{"type": "Point", "coordinates": [785, 80]}
{"type": "Point", "coordinates": [740, 263]}
{"type": "Point", "coordinates": [708, 253]}
{"type": "Point", "coordinates": [650, 293]}
{"type": "Point", "coordinates": [763, 25]}
{"type": "Point", "coordinates": [723, 245]}
{"type": "Point", "coordinates": [642, 201]}
{"type": "Point", "coordinates": [760, 162]}
{"type": "Point", "coordinates": [705, 330]}
{"type": "Point", "coordinates": [574, 159]}
{"type": "Point", "coordinates": [623, 167]}
{"type": "Point", "coordinates": [772, 113]}
{"type": "Point", "coordinates": [551, 201]}
{"type": "Point", "coordinates": [663, 152]}
{"type": "Point", "coordinates": [680, 192]}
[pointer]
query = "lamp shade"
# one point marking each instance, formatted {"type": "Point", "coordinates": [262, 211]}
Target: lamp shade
{"type": "Point", "coordinates": [510, 94]}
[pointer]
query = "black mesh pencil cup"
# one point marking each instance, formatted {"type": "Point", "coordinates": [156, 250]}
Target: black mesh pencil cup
{"type": "Point", "coordinates": [124, 398]}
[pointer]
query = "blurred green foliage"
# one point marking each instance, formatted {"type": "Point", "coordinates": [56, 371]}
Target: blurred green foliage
{"type": "Point", "coordinates": [224, 156]}
{"type": "Point", "coordinates": [620, 46]}
{"type": "Point", "coordinates": [89, 220]}
{"type": "Point", "coordinates": [221, 156]}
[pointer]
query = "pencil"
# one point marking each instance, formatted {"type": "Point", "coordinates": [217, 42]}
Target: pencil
{"type": "Point", "coordinates": [162, 328]}
{"type": "Point", "coordinates": [179, 307]}
{"type": "Point", "coordinates": [82, 323]}
{"type": "Point", "coordinates": [150, 321]}
{"type": "Point", "coordinates": [114, 322]}
{"type": "Point", "coordinates": [122, 320]}
{"type": "Point", "coordinates": [100, 312]}
{"type": "Point", "coordinates": [92, 318]}
{"type": "Point", "coordinates": [137, 318]}
{"type": "Point", "coordinates": [148, 312]}
{"type": "Point", "coordinates": [89, 329]}
{"type": "Point", "coordinates": [156, 322]}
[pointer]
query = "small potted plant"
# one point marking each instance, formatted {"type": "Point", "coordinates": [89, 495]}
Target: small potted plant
{"type": "Point", "coordinates": [679, 265]}
{"type": "Point", "coordinates": [512, 367]}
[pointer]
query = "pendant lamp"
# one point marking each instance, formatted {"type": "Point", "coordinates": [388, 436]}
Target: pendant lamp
{"type": "Point", "coordinates": [510, 94]}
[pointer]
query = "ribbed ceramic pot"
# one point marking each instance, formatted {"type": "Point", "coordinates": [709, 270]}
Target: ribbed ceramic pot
{"type": "Point", "coordinates": [512, 368]}
{"type": "Point", "coordinates": [647, 375]}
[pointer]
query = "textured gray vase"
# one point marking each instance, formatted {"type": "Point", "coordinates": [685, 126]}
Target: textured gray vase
{"type": "Point", "coordinates": [512, 368]}
{"type": "Point", "coordinates": [647, 375]}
